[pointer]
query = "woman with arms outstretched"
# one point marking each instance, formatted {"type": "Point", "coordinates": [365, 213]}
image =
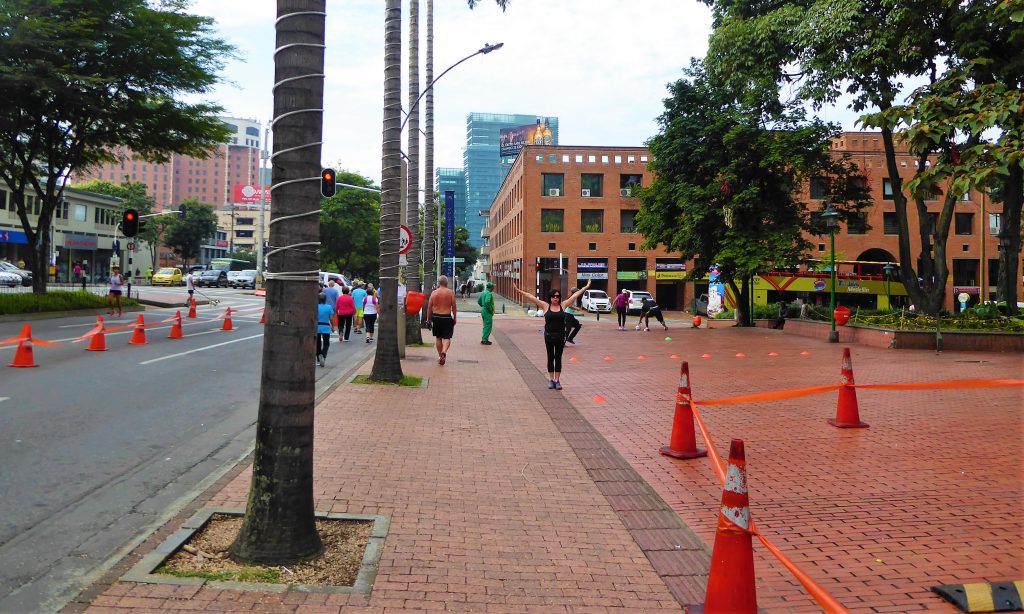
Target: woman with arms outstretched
{"type": "Point", "coordinates": [554, 329]}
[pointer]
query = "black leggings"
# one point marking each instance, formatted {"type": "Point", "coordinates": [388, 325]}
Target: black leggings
{"type": "Point", "coordinates": [369, 319]}
{"type": "Point", "coordinates": [344, 326]}
{"type": "Point", "coordinates": [323, 343]}
{"type": "Point", "coordinates": [554, 346]}
{"type": "Point", "coordinates": [621, 313]}
{"type": "Point", "coordinates": [572, 326]}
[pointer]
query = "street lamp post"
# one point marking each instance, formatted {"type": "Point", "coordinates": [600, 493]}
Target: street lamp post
{"type": "Point", "coordinates": [888, 268]}
{"type": "Point", "coordinates": [831, 218]}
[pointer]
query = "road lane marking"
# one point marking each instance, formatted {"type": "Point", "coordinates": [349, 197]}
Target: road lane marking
{"type": "Point", "coordinates": [202, 349]}
{"type": "Point", "coordinates": [2, 399]}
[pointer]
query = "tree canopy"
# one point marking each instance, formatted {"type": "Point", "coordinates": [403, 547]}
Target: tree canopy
{"type": "Point", "coordinates": [78, 84]}
{"type": "Point", "coordinates": [133, 195]}
{"type": "Point", "coordinates": [728, 173]}
{"type": "Point", "coordinates": [350, 228]}
{"type": "Point", "coordinates": [186, 236]}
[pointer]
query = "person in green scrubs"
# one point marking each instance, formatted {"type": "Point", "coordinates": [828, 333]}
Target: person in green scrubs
{"type": "Point", "coordinates": [486, 302]}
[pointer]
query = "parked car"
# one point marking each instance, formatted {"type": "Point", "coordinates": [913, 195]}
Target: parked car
{"type": "Point", "coordinates": [168, 276]}
{"type": "Point", "coordinates": [242, 279]}
{"type": "Point", "coordinates": [211, 278]}
{"type": "Point", "coordinates": [596, 300]}
{"type": "Point", "coordinates": [337, 277]}
{"type": "Point", "coordinates": [636, 300]}
{"type": "Point", "coordinates": [10, 280]}
{"type": "Point", "coordinates": [24, 275]}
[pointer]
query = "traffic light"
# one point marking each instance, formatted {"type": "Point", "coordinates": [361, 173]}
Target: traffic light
{"type": "Point", "coordinates": [181, 212]}
{"type": "Point", "coordinates": [130, 222]}
{"type": "Point", "coordinates": [327, 182]}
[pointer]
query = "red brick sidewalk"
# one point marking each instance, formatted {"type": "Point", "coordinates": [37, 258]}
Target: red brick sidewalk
{"type": "Point", "coordinates": [491, 509]}
{"type": "Point", "coordinates": [930, 494]}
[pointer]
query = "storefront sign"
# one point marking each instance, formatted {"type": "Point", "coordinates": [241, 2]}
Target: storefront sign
{"type": "Point", "coordinates": [670, 266]}
{"type": "Point", "coordinates": [593, 265]}
{"type": "Point", "coordinates": [13, 236]}
{"type": "Point", "coordinates": [250, 194]}
{"type": "Point", "coordinates": [586, 275]}
{"type": "Point", "coordinates": [630, 275]}
{"type": "Point", "coordinates": [83, 242]}
{"type": "Point", "coordinates": [669, 275]}
{"type": "Point", "coordinates": [967, 289]}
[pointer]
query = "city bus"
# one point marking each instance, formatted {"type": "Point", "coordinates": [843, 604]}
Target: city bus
{"type": "Point", "coordinates": [230, 264]}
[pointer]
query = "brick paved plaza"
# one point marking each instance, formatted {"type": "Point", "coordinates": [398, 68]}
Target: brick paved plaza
{"type": "Point", "coordinates": [502, 498]}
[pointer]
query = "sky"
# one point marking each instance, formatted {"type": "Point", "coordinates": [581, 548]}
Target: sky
{"type": "Point", "coordinates": [600, 66]}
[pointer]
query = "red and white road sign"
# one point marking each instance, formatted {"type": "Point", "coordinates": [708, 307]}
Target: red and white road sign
{"type": "Point", "coordinates": [404, 240]}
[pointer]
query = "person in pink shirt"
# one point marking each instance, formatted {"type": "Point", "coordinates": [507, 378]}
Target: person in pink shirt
{"type": "Point", "coordinates": [346, 309]}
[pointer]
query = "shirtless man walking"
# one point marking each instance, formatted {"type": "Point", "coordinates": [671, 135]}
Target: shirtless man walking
{"type": "Point", "coordinates": [441, 315]}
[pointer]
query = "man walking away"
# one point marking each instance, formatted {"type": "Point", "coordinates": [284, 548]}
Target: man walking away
{"type": "Point", "coordinates": [486, 302]}
{"type": "Point", "coordinates": [191, 287]}
{"type": "Point", "coordinates": [332, 291]}
{"type": "Point", "coordinates": [441, 315]}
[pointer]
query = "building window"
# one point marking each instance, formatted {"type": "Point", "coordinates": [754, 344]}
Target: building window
{"type": "Point", "coordinates": [565, 158]}
{"type": "Point", "coordinates": [965, 248]}
{"type": "Point", "coordinates": [995, 223]}
{"type": "Point", "coordinates": [629, 181]}
{"type": "Point", "coordinates": [627, 221]}
{"type": "Point", "coordinates": [591, 184]}
{"type": "Point", "coordinates": [80, 213]}
{"type": "Point", "coordinates": [631, 247]}
{"type": "Point", "coordinates": [889, 224]}
{"type": "Point", "coordinates": [631, 159]}
{"type": "Point", "coordinates": [857, 224]}
{"type": "Point", "coordinates": [3, 200]}
{"type": "Point", "coordinates": [592, 247]}
{"type": "Point", "coordinates": [604, 159]}
{"type": "Point", "coordinates": [591, 159]}
{"type": "Point", "coordinates": [821, 247]}
{"type": "Point", "coordinates": [819, 188]}
{"type": "Point", "coordinates": [552, 247]}
{"type": "Point", "coordinates": [592, 220]}
{"type": "Point", "coordinates": [964, 223]}
{"type": "Point", "coordinates": [618, 159]}
{"type": "Point", "coordinates": [245, 221]}
{"type": "Point", "coordinates": [643, 158]}
{"type": "Point", "coordinates": [552, 184]}
{"type": "Point", "coordinates": [579, 159]}
{"type": "Point", "coordinates": [887, 189]}
{"type": "Point", "coordinates": [243, 234]}
{"type": "Point", "coordinates": [552, 220]}
{"type": "Point", "coordinates": [552, 158]}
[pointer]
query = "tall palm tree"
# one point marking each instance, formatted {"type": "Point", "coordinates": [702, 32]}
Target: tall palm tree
{"type": "Point", "coordinates": [412, 271]}
{"type": "Point", "coordinates": [387, 366]}
{"type": "Point", "coordinates": [279, 525]}
{"type": "Point", "coordinates": [428, 241]}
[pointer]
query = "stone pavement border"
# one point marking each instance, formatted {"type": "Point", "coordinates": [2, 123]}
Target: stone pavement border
{"type": "Point", "coordinates": [675, 551]}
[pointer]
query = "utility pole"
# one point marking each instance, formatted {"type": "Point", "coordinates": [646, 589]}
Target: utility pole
{"type": "Point", "coordinates": [263, 202]}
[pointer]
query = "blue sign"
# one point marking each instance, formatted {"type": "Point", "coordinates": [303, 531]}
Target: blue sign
{"type": "Point", "coordinates": [13, 236]}
{"type": "Point", "coordinates": [449, 233]}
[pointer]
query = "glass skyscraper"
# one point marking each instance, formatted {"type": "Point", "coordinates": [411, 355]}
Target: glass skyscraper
{"type": "Point", "coordinates": [484, 168]}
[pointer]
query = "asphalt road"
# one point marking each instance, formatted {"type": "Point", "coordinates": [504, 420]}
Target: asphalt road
{"type": "Point", "coordinates": [99, 448]}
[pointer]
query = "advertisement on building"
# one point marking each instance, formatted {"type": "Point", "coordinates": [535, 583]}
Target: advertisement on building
{"type": "Point", "coordinates": [512, 140]}
{"type": "Point", "coordinates": [250, 194]}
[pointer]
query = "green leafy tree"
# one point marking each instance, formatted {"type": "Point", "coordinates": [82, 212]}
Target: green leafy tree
{"type": "Point", "coordinates": [350, 228]}
{"type": "Point", "coordinates": [244, 254]}
{"type": "Point", "coordinates": [727, 174]}
{"type": "Point", "coordinates": [133, 196]}
{"type": "Point", "coordinates": [77, 83]}
{"type": "Point", "coordinates": [465, 250]}
{"type": "Point", "coordinates": [865, 50]}
{"type": "Point", "coordinates": [186, 236]}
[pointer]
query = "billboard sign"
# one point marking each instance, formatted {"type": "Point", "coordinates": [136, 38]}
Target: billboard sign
{"type": "Point", "coordinates": [250, 194]}
{"type": "Point", "coordinates": [512, 140]}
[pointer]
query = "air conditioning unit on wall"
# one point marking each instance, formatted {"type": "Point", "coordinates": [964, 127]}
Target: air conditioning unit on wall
{"type": "Point", "coordinates": [554, 192]}
{"type": "Point", "coordinates": [625, 192]}
{"type": "Point", "coordinates": [585, 193]}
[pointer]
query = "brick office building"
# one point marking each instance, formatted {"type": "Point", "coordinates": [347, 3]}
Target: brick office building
{"type": "Point", "coordinates": [575, 203]}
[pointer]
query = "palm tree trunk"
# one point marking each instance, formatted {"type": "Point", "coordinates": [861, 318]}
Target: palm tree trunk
{"type": "Point", "coordinates": [412, 271]}
{"type": "Point", "coordinates": [429, 238]}
{"type": "Point", "coordinates": [279, 525]}
{"type": "Point", "coordinates": [386, 365]}
{"type": "Point", "coordinates": [1009, 239]}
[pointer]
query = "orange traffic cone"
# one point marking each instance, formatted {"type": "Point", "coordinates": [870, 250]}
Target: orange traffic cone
{"type": "Point", "coordinates": [227, 321]}
{"type": "Point", "coordinates": [731, 580]}
{"type": "Point", "coordinates": [847, 412]}
{"type": "Point", "coordinates": [263, 317]}
{"type": "Point", "coordinates": [176, 327]}
{"type": "Point", "coordinates": [23, 355]}
{"type": "Point", "coordinates": [683, 443]}
{"type": "Point", "coordinates": [139, 334]}
{"type": "Point", "coordinates": [98, 342]}
{"type": "Point", "coordinates": [696, 321]}
{"type": "Point", "coordinates": [192, 307]}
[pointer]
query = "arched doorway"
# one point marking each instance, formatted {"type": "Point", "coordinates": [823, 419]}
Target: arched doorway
{"type": "Point", "coordinates": [874, 255]}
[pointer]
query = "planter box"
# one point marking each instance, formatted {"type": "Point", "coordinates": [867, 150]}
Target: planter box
{"type": "Point", "coordinates": [958, 341]}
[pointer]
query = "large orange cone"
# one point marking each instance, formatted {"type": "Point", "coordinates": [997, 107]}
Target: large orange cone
{"type": "Point", "coordinates": [176, 327]}
{"type": "Point", "coordinates": [847, 412]}
{"type": "Point", "coordinates": [731, 580]}
{"type": "Point", "coordinates": [98, 342]}
{"type": "Point", "coordinates": [227, 321]}
{"type": "Point", "coordinates": [683, 443]}
{"type": "Point", "coordinates": [139, 334]}
{"type": "Point", "coordinates": [263, 317]}
{"type": "Point", "coordinates": [23, 355]}
{"type": "Point", "coordinates": [191, 307]}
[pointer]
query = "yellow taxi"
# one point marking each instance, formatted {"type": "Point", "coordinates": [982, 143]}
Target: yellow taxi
{"type": "Point", "coordinates": [167, 277]}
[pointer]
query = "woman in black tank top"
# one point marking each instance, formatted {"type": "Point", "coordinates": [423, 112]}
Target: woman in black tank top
{"type": "Point", "coordinates": [554, 329]}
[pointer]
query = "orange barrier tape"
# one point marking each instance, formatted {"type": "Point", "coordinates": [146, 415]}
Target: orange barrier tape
{"type": "Point", "coordinates": [92, 333]}
{"type": "Point", "coordinates": [828, 603]}
{"type": "Point", "coordinates": [775, 395]}
{"type": "Point", "coordinates": [947, 385]}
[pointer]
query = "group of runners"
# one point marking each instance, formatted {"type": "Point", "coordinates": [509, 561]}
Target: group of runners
{"type": "Point", "coordinates": [345, 310]}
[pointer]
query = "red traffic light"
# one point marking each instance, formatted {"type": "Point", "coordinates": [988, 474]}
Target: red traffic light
{"type": "Point", "coordinates": [130, 223]}
{"type": "Point", "coordinates": [129, 215]}
{"type": "Point", "coordinates": [327, 183]}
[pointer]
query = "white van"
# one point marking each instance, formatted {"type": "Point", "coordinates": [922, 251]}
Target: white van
{"type": "Point", "coordinates": [337, 277]}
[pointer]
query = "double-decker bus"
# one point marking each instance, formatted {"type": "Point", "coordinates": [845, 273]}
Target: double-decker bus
{"type": "Point", "coordinates": [230, 264]}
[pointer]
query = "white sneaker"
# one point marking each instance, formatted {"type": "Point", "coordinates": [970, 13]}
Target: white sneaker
{"type": "Point", "coordinates": [323, 360]}
{"type": "Point", "coordinates": [637, 327]}
{"type": "Point", "coordinates": [647, 330]}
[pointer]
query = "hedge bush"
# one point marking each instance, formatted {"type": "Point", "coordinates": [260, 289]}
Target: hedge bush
{"type": "Point", "coordinates": [57, 300]}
